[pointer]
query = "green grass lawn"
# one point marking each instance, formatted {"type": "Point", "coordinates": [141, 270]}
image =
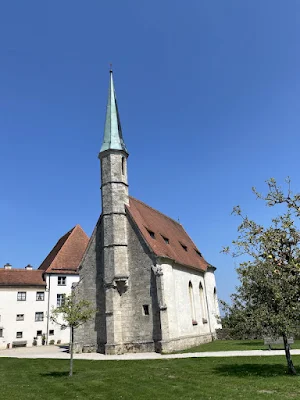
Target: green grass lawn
{"type": "Point", "coordinates": [185, 379]}
{"type": "Point", "coordinates": [230, 345]}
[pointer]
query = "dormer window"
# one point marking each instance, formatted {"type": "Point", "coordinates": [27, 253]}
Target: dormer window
{"type": "Point", "coordinates": [151, 233]}
{"type": "Point", "coordinates": [167, 241]}
{"type": "Point", "coordinates": [184, 247]}
{"type": "Point", "coordinates": [198, 252]}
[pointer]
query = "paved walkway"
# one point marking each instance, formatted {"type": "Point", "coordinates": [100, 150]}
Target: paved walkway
{"type": "Point", "coordinates": [61, 353]}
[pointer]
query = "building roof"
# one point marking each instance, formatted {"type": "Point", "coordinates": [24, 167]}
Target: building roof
{"type": "Point", "coordinates": [67, 253]}
{"type": "Point", "coordinates": [21, 277]}
{"type": "Point", "coordinates": [113, 138]}
{"type": "Point", "coordinates": [165, 237]}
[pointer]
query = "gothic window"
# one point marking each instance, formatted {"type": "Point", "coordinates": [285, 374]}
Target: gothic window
{"type": "Point", "coordinates": [202, 304]}
{"type": "Point", "coordinates": [192, 304]}
{"type": "Point", "coordinates": [215, 302]}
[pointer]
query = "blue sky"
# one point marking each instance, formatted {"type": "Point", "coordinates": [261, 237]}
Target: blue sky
{"type": "Point", "coordinates": [208, 94]}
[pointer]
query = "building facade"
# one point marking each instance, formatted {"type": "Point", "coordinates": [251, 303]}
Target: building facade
{"type": "Point", "coordinates": [151, 286]}
{"type": "Point", "coordinates": [27, 296]}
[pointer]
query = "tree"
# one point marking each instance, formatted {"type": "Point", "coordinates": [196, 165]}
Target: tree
{"type": "Point", "coordinates": [72, 313]}
{"type": "Point", "coordinates": [267, 302]}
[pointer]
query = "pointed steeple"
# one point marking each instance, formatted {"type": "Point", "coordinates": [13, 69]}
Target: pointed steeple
{"type": "Point", "coordinates": [113, 139]}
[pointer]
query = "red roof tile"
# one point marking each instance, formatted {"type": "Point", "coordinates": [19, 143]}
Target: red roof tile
{"type": "Point", "coordinates": [21, 277]}
{"type": "Point", "coordinates": [67, 253]}
{"type": "Point", "coordinates": [170, 238]}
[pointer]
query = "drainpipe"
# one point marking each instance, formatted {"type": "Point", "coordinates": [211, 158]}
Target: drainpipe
{"type": "Point", "coordinates": [208, 315]}
{"type": "Point", "coordinates": [48, 311]}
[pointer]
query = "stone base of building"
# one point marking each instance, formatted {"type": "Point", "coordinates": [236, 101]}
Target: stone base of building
{"type": "Point", "coordinates": [132, 347]}
{"type": "Point", "coordinates": [185, 342]}
{"type": "Point", "coordinates": [163, 346]}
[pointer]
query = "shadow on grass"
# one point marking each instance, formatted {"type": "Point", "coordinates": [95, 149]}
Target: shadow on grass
{"type": "Point", "coordinates": [243, 370]}
{"type": "Point", "coordinates": [56, 374]}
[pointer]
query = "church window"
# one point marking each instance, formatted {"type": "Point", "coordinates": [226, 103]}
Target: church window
{"type": "Point", "coordinates": [184, 247]}
{"type": "Point", "coordinates": [192, 303]}
{"type": "Point", "coordinates": [146, 309]}
{"type": "Point", "coordinates": [202, 304]}
{"type": "Point", "coordinates": [151, 233]}
{"type": "Point", "coordinates": [215, 302]}
{"type": "Point", "coordinates": [165, 239]}
{"type": "Point", "coordinates": [123, 165]}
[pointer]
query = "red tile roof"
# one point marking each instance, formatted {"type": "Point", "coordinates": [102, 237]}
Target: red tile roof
{"type": "Point", "coordinates": [21, 277]}
{"type": "Point", "coordinates": [67, 253]}
{"type": "Point", "coordinates": [170, 238]}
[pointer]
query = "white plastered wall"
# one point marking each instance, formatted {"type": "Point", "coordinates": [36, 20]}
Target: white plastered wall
{"type": "Point", "coordinates": [10, 307]}
{"type": "Point", "coordinates": [54, 289]}
{"type": "Point", "coordinates": [176, 294]}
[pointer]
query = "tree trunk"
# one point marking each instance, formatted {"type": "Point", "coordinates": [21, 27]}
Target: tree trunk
{"type": "Point", "coordinates": [291, 368]}
{"type": "Point", "coordinates": [71, 350]}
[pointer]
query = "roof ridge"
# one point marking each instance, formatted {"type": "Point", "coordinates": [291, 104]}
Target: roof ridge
{"type": "Point", "coordinates": [154, 209]}
{"type": "Point", "coordinates": [21, 269]}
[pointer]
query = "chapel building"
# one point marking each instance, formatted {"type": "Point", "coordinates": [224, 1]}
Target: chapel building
{"type": "Point", "coordinates": [151, 286]}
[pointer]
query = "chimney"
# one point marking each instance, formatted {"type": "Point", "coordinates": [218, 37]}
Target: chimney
{"type": "Point", "coordinates": [7, 266]}
{"type": "Point", "coordinates": [28, 267]}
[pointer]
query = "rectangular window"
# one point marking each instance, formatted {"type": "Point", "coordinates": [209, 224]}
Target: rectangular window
{"type": "Point", "coordinates": [1, 332]}
{"type": "Point", "coordinates": [20, 317]}
{"type": "Point", "coordinates": [39, 316]}
{"type": "Point", "coordinates": [60, 299]}
{"type": "Point", "coordinates": [146, 309]}
{"type": "Point", "coordinates": [21, 296]}
{"type": "Point", "coordinates": [19, 335]}
{"type": "Point", "coordinates": [61, 280]}
{"type": "Point", "coordinates": [38, 333]}
{"type": "Point", "coordinates": [40, 296]}
{"type": "Point", "coordinates": [51, 332]}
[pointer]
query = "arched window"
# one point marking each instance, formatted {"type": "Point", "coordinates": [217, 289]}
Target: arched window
{"type": "Point", "coordinates": [192, 303]}
{"type": "Point", "coordinates": [202, 303]}
{"type": "Point", "coordinates": [123, 165]}
{"type": "Point", "coordinates": [216, 306]}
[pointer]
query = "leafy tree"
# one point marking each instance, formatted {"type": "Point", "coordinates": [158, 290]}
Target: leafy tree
{"type": "Point", "coordinates": [267, 302]}
{"type": "Point", "coordinates": [72, 313]}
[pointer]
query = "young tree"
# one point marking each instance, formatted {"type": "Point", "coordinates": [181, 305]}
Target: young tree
{"type": "Point", "coordinates": [267, 302]}
{"type": "Point", "coordinates": [72, 313]}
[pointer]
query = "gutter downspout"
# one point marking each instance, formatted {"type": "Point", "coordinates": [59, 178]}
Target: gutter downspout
{"type": "Point", "coordinates": [48, 312]}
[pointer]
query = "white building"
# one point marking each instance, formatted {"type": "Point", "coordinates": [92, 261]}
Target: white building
{"type": "Point", "coordinates": [27, 296]}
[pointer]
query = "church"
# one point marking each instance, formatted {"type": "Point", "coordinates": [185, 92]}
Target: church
{"type": "Point", "coordinates": [151, 286]}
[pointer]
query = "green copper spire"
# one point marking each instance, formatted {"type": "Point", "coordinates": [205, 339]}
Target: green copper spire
{"type": "Point", "coordinates": [113, 138]}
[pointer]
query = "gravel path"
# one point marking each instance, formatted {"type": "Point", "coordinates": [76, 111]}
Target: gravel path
{"type": "Point", "coordinates": [61, 353]}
